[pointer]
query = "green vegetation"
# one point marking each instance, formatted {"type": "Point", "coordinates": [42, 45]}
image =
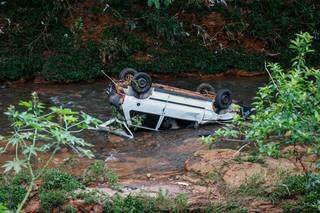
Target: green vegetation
{"type": "Point", "coordinates": [97, 172]}
{"type": "Point", "coordinates": [12, 195]}
{"type": "Point", "coordinates": [38, 130]}
{"type": "Point", "coordinates": [57, 180]}
{"type": "Point", "coordinates": [225, 207]}
{"type": "Point", "coordinates": [306, 190]}
{"type": "Point", "coordinates": [140, 203]}
{"type": "Point", "coordinates": [287, 111]}
{"type": "Point", "coordinates": [253, 186]}
{"type": "Point", "coordinates": [51, 200]}
{"type": "Point", "coordinates": [52, 40]}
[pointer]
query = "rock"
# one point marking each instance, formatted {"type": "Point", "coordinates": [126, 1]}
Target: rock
{"type": "Point", "coordinates": [238, 173]}
{"type": "Point", "coordinates": [3, 86]}
{"type": "Point", "coordinates": [200, 189]}
{"type": "Point", "coordinates": [206, 161]}
{"type": "Point", "coordinates": [32, 206]}
{"type": "Point", "coordinates": [294, 149]}
{"type": "Point", "coordinates": [78, 204]}
{"type": "Point", "coordinates": [97, 208]}
{"type": "Point", "coordinates": [263, 206]}
{"type": "Point", "coordinates": [54, 100]}
{"type": "Point", "coordinates": [115, 139]}
{"type": "Point", "coordinates": [69, 104]}
{"type": "Point", "coordinates": [281, 164]}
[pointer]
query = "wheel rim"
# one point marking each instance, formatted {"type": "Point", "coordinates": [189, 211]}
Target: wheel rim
{"type": "Point", "coordinates": [128, 77]}
{"type": "Point", "coordinates": [142, 82]}
{"type": "Point", "coordinates": [204, 92]}
{"type": "Point", "coordinates": [225, 99]}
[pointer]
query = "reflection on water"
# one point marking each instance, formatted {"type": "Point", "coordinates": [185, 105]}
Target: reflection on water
{"type": "Point", "coordinates": [148, 151]}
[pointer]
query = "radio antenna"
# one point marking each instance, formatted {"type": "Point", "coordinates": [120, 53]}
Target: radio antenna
{"type": "Point", "coordinates": [109, 78]}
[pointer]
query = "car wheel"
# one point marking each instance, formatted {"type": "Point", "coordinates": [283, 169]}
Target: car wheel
{"type": "Point", "coordinates": [223, 99]}
{"type": "Point", "coordinates": [127, 74]}
{"type": "Point", "coordinates": [141, 83]}
{"type": "Point", "coordinates": [205, 88]}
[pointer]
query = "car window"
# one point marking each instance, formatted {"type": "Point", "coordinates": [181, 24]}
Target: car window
{"type": "Point", "coordinates": [148, 120]}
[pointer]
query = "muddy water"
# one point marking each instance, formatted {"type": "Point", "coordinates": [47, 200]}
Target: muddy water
{"type": "Point", "coordinates": [149, 152]}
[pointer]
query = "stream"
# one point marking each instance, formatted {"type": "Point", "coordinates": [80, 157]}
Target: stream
{"type": "Point", "coordinates": [149, 152]}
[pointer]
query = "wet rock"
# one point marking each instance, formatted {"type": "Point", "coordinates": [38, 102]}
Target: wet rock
{"type": "Point", "coordinates": [115, 139]}
{"type": "Point", "coordinates": [3, 86]}
{"type": "Point", "coordinates": [69, 104]}
{"type": "Point", "coordinates": [206, 161]}
{"type": "Point", "coordinates": [54, 100]}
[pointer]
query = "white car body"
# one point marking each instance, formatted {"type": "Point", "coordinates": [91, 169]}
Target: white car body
{"type": "Point", "coordinates": [160, 104]}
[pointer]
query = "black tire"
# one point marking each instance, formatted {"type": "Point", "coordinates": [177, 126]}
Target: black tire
{"type": "Point", "coordinates": [223, 99]}
{"type": "Point", "coordinates": [205, 88]}
{"type": "Point", "coordinates": [166, 124]}
{"type": "Point", "coordinates": [127, 74]}
{"type": "Point", "coordinates": [141, 83]}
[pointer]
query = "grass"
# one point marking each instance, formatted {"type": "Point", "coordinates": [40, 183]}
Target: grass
{"type": "Point", "coordinates": [98, 172]}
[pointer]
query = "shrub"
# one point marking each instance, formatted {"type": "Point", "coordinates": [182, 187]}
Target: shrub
{"type": "Point", "coordinates": [286, 109]}
{"type": "Point", "coordinates": [140, 203]}
{"type": "Point", "coordinates": [90, 197]}
{"type": "Point", "coordinates": [304, 189]}
{"type": "Point", "coordinates": [131, 203]}
{"type": "Point", "coordinates": [74, 62]}
{"type": "Point", "coordinates": [165, 26]}
{"type": "Point", "coordinates": [253, 186]}
{"type": "Point", "coordinates": [191, 56]}
{"type": "Point", "coordinates": [118, 43]}
{"type": "Point", "coordinates": [225, 207]}
{"type": "Point", "coordinates": [50, 200]}
{"type": "Point", "coordinates": [57, 180]}
{"type": "Point", "coordinates": [11, 68]}
{"type": "Point", "coordinates": [56, 126]}
{"type": "Point", "coordinates": [70, 209]}
{"type": "Point", "coordinates": [180, 203]}
{"type": "Point", "coordinates": [97, 171]}
{"type": "Point", "coordinates": [11, 195]}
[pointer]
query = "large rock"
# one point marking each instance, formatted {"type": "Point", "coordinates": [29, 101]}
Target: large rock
{"type": "Point", "coordinates": [234, 173]}
{"type": "Point", "coordinates": [237, 173]}
{"type": "Point", "coordinates": [206, 161]}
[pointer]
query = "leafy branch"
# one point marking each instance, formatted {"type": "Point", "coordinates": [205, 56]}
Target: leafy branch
{"type": "Point", "coordinates": [39, 130]}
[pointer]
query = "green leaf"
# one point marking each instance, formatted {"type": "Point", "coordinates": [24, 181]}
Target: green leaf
{"type": "Point", "coordinates": [30, 150]}
{"type": "Point", "coordinates": [15, 165]}
{"type": "Point", "coordinates": [27, 104]}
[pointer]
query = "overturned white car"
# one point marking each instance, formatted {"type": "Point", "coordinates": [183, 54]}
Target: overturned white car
{"type": "Point", "coordinates": [161, 107]}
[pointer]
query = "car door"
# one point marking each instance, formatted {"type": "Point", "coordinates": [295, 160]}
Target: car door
{"type": "Point", "coordinates": [184, 108]}
{"type": "Point", "coordinates": [150, 110]}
